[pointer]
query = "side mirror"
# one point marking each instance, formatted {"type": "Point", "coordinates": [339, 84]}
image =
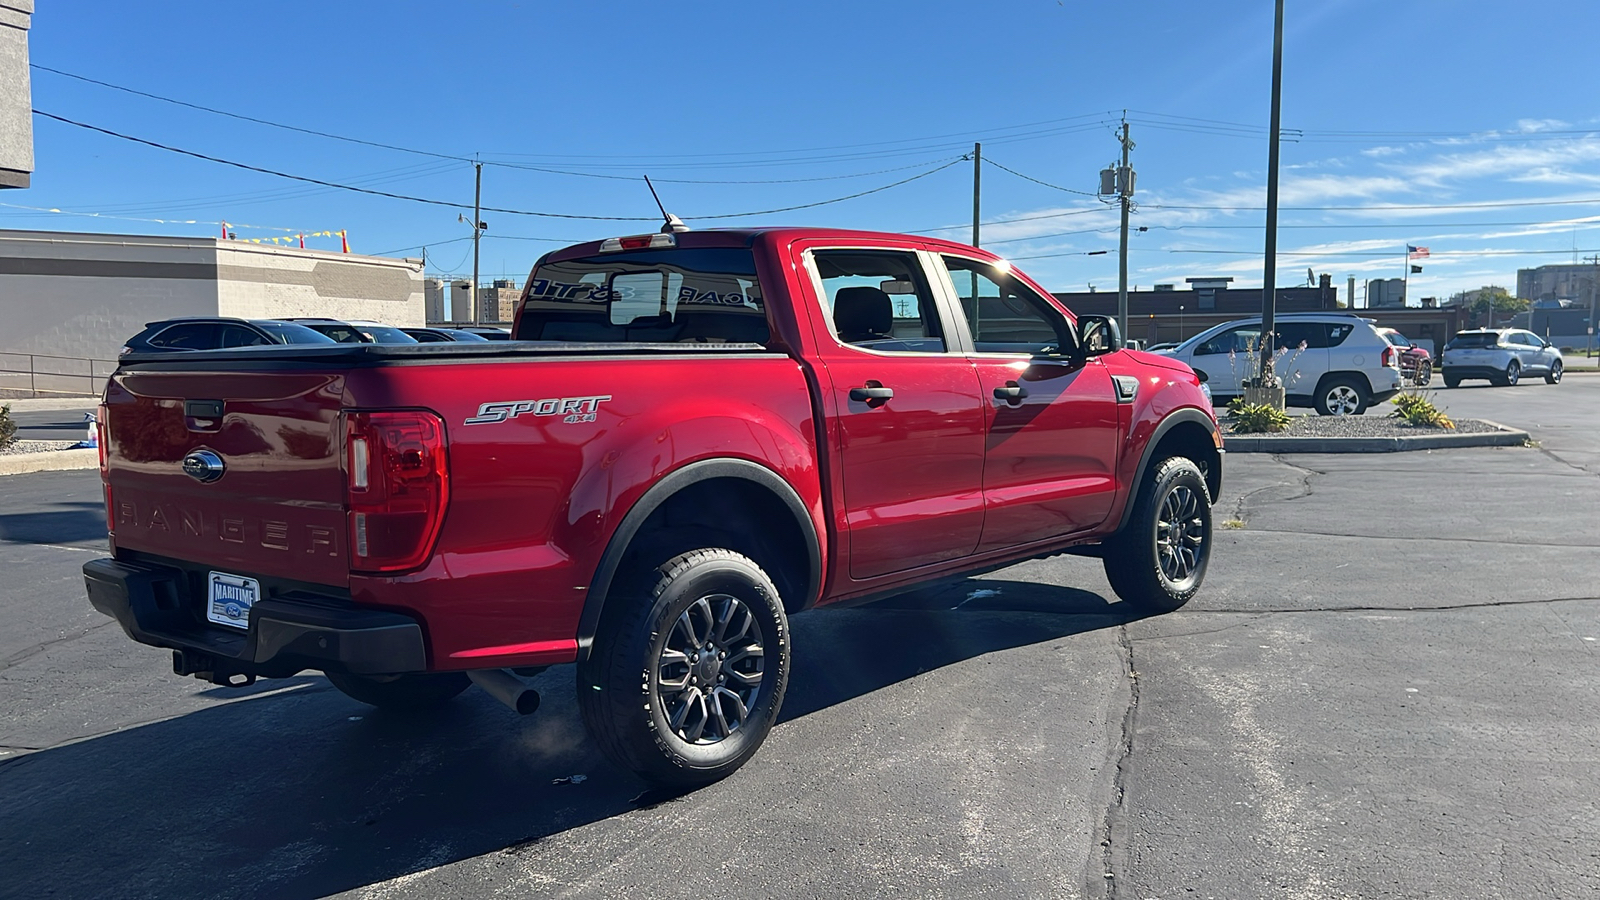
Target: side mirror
{"type": "Point", "coordinates": [1098, 335]}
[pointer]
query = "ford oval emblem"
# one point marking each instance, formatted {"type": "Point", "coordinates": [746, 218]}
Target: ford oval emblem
{"type": "Point", "coordinates": [203, 466]}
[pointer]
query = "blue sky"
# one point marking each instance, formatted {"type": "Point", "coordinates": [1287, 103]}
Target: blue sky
{"type": "Point", "coordinates": [1485, 111]}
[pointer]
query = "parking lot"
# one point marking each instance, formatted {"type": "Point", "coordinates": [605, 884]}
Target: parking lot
{"type": "Point", "coordinates": [1386, 688]}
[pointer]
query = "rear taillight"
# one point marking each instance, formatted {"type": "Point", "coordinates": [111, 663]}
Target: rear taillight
{"type": "Point", "coordinates": [100, 447]}
{"type": "Point", "coordinates": [397, 479]}
{"type": "Point", "coordinates": [1388, 359]}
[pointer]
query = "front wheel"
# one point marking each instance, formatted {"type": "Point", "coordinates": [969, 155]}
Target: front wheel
{"type": "Point", "coordinates": [1157, 561]}
{"type": "Point", "coordinates": [1342, 397]}
{"type": "Point", "coordinates": [1554, 377]}
{"type": "Point", "coordinates": [685, 681]}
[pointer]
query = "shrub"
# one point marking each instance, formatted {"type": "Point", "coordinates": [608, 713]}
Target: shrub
{"type": "Point", "coordinates": [8, 427]}
{"type": "Point", "coordinates": [1257, 418]}
{"type": "Point", "coordinates": [1419, 410]}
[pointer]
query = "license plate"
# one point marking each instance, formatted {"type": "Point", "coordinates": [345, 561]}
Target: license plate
{"type": "Point", "coordinates": [229, 599]}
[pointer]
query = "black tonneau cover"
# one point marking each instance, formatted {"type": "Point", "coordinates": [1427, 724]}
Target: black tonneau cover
{"type": "Point", "coordinates": [359, 355]}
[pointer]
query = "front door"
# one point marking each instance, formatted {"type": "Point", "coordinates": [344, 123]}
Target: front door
{"type": "Point", "coordinates": [1050, 451]}
{"type": "Point", "coordinates": [911, 425]}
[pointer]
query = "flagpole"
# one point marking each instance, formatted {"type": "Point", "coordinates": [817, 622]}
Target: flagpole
{"type": "Point", "coordinates": [1405, 296]}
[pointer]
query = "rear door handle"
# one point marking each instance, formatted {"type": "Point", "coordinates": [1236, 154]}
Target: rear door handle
{"type": "Point", "coordinates": [873, 393]}
{"type": "Point", "coordinates": [1011, 393]}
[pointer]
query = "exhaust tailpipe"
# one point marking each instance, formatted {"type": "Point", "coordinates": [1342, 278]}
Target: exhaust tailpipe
{"type": "Point", "coordinates": [507, 688]}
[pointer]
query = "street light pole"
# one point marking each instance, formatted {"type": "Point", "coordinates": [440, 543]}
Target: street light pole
{"type": "Point", "coordinates": [1269, 278]}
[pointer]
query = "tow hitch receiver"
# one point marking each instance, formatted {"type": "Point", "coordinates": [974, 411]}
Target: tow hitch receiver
{"type": "Point", "coordinates": [204, 667]}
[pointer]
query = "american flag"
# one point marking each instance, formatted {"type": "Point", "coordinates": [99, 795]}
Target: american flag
{"type": "Point", "coordinates": [1417, 252]}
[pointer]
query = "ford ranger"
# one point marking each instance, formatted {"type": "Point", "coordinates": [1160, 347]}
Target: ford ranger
{"type": "Point", "coordinates": [693, 436]}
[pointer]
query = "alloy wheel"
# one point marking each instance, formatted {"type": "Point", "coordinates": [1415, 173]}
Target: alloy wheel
{"type": "Point", "coordinates": [1343, 400]}
{"type": "Point", "coordinates": [708, 673]}
{"type": "Point", "coordinates": [1180, 534]}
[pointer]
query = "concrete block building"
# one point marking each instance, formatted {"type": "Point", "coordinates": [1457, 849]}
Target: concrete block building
{"type": "Point", "coordinates": [80, 296]}
{"type": "Point", "coordinates": [16, 100]}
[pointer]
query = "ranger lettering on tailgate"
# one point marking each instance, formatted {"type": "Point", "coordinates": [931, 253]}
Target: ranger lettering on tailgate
{"type": "Point", "coordinates": [572, 409]}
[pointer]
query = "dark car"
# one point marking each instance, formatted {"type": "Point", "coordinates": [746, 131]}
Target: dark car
{"type": "Point", "coordinates": [356, 331]}
{"type": "Point", "coordinates": [1416, 363]}
{"type": "Point", "coordinates": [488, 333]}
{"type": "Point", "coordinates": [442, 335]}
{"type": "Point", "coordinates": [215, 333]}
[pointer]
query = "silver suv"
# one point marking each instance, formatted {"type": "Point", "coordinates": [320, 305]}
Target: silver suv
{"type": "Point", "coordinates": [1501, 355]}
{"type": "Point", "coordinates": [1335, 362]}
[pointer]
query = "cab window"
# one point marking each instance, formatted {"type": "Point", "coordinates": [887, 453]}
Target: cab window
{"type": "Point", "coordinates": [879, 300]}
{"type": "Point", "coordinates": [1003, 314]}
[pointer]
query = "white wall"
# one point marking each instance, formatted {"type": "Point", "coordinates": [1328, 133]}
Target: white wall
{"type": "Point", "coordinates": [257, 282]}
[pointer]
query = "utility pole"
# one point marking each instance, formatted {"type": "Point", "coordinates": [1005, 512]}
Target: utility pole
{"type": "Point", "coordinates": [1269, 299]}
{"type": "Point", "coordinates": [977, 179]}
{"type": "Point", "coordinates": [1594, 291]}
{"type": "Point", "coordinates": [1125, 193]}
{"type": "Point", "coordinates": [477, 232]}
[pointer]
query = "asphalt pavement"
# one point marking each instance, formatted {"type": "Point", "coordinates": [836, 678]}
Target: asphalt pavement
{"type": "Point", "coordinates": [1386, 688]}
{"type": "Point", "coordinates": [54, 424]}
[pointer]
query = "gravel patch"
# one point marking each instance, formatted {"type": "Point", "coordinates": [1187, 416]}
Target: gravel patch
{"type": "Point", "coordinates": [1364, 426]}
{"type": "Point", "coordinates": [18, 448]}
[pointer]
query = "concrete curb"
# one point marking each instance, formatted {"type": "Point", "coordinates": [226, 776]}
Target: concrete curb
{"type": "Point", "coordinates": [1503, 437]}
{"type": "Point", "coordinates": [49, 461]}
{"type": "Point", "coordinates": [50, 404]}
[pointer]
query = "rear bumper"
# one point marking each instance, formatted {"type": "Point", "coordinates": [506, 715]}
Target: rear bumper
{"type": "Point", "coordinates": [1489, 372]}
{"type": "Point", "coordinates": [287, 634]}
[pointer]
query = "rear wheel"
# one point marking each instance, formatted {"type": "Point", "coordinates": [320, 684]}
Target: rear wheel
{"type": "Point", "coordinates": [1424, 373]}
{"type": "Point", "coordinates": [686, 679]}
{"type": "Point", "coordinates": [400, 692]}
{"type": "Point", "coordinates": [1157, 561]}
{"type": "Point", "coordinates": [1451, 381]}
{"type": "Point", "coordinates": [1554, 376]}
{"type": "Point", "coordinates": [1512, 374]}
{"type": "Point", "coordinates": [1342, 397]}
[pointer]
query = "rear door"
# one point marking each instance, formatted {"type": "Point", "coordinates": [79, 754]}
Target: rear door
{"type": "Point", "coordinates": [1300, 355]}
{"type": "Point", "coordinates": [1050, 423]}
{"type": "Point", "coordinates": [910, 420]}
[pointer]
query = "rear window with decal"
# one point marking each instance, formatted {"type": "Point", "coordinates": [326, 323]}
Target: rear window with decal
{"type": "Point", "coordinates": [705, 296]}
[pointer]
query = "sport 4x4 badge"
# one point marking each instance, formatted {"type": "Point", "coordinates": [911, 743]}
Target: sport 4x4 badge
{"type": "Point", "coordinates": [571, 409]}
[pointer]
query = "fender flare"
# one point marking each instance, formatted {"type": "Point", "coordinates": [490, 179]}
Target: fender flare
{"type": "Point", "coordinates": [663, 490]}
{"type": "Point", "coordinates": [1173, 419]}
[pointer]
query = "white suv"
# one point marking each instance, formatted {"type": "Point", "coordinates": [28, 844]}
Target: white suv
{"type": "Point", "coordinates": [1335, 362]}
{"type": "Point", "coordinates": [1502, 355]}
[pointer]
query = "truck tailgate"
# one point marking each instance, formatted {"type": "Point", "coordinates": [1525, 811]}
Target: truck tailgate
{"type": "Point", "coordinates": [277, 508]}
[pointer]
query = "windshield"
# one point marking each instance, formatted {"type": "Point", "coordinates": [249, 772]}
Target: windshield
{"type": "Point", "coordinates": [383, 334]}
{"type": "Point", "coordinates": [290, 333]}
{"type": "Point", "coordinates": [1473, 339]}
{"type": "Point", "coordinates": [708, 296]}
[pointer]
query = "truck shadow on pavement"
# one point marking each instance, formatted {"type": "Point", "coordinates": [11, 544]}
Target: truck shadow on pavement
{"type": "Point", "coordinates": [293, 790]}
{"type": "Point", "coordinates": [71, 522]}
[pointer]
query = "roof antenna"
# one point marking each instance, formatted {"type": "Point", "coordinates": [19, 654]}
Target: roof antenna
{"type": "Point", "coordinates": [671, 224]}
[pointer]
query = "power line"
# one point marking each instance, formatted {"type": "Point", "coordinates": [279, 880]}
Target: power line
{"type": "Point", "coordinates": [1060, 215]}
{"type": "Point", "coordinates": [1037, 181]}
{"type": "Point", "coordinates": [241, 117]}
{"type": "Point", "coordinates": [460, 206]}
{"type": "Point", "coordinates": [635, 178]}
{"type": "Point", "coordinates": [1390, 206]}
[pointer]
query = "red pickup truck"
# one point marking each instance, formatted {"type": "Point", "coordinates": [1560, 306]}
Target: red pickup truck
{"type": "Point", "coordinates": [693, 436]}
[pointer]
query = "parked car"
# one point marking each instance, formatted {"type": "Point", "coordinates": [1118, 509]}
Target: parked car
{"type": "Point", "coordinates": [1336, 363]}
{"type": "Point", "coordinates": [215, 332]}
{"type": "Point", "coordinates": [442, 335]}
{"type": "Point", "coordinates": [1416, 363]}
{"type": "Point", "coordinates": [1501, 355]}
{"type": "Point", "coordinates": [356, 331]}
{"type": "Point", "coordinates": [488, 332]}
{"type": "Point", "coordinates": [781, 419]}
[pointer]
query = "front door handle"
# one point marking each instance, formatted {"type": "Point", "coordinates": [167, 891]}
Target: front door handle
{"type": "Point", "coordinates": [873, 393]}
{"type": "Point", "coordinates": [1011, 393]}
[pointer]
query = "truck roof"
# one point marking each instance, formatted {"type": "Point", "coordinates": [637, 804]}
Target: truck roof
{"type": "Point", "coordinates": [746, 237]}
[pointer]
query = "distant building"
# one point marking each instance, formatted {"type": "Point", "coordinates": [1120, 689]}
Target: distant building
{"type": "Point", "coordinates": [16, 102]}
{"type": "Point", "coordinates": [435, 299]}
{"type": "Point", "coordinates": [1386, 293]}
{"type": "Point", "coordinates": [82, 295]}
{"type": "Point", "coordinates": [498, 303]}
{"type": "Point", "coordinates": [1558, 282]}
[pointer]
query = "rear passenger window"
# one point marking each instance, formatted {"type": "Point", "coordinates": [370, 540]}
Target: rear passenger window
{"type": "Point", "coordinates": [1337, 332]}
{"type": "Point", "coordinates": [879, 300]}
{"type": "Point", "coordinates": [1291, 335]}
{"type": "Point", "coordinates": [235, 336]}
{"type": "Point", "coordinates": [189, 336]}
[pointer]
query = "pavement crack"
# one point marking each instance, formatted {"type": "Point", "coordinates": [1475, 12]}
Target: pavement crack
{"type": "Point", "coordinates": [1239, 511]}
{"type": "Point", "coordinates": [1105, 861]}
{"type": "Point", "coordinates": [1486, 604]}
{"type": "Point", "coordinates": [36, 649]}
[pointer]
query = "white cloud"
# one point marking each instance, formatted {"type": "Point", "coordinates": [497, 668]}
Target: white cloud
{"type": "Point", "coordinates": [1383, 151]}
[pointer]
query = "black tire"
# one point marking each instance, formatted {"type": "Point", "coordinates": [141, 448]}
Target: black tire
{"type": "Point", "coordinates": [1140, 570]}
{"type": "Point", "coordinates": [1554, 375]}
{"type": "Point", "coordinates": [1511, 375]}
{"type": "Point", "coordinates": [1342, 396]}
{"type": "Point", "coordinates": [401, 692]}
{"type": "Point", "coordinates": [632, 708]}
{"type": "Point", "coordinates": [1424, 373]}
{"type": "Point", "coordinates": [1451, 381]}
